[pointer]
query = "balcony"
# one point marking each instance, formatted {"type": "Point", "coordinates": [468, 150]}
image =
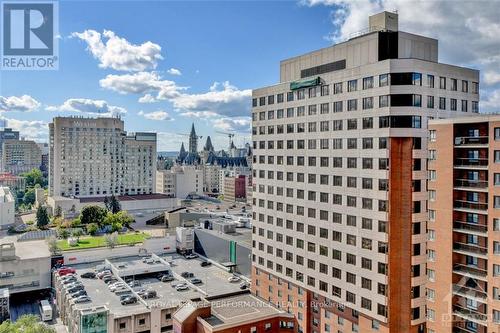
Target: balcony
{"type": "Point", "coordinates": [470, 314]}
{"type": "Point", "coordinates": [469, 141]}
{"type": "Point", "coordinates": [467, 227]}
{"type": "Point", "coordinates": [471, 184]}
{"type": "Point", "coordinates": [471, 271]}
{"type": "Point", "coordinates": [459, 327]}
{"type": "Point", "coordinates": [469, 292]}
{"type": "Point", "coordinates": [470, 248]}
{"type": "Point", "coordinates": [471, 163]}
{"type": "Point", "coordinates": [470, 205]}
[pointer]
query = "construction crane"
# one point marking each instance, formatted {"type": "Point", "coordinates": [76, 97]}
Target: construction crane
{"type": "Point", "coordinates": [229, 135]}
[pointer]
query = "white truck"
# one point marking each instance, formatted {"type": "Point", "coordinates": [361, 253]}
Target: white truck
{"type": "Point", "coordinates": [45, 310]}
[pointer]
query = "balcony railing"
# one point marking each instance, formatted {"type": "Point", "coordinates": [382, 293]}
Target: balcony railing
{"type": "Point", "coordinates": [470, 313]}
{"type": "Point", "coordinates": [469, 292]}
{"type": "Point", "coordinates": [471, 205]}
{"type": "Point", "coordinates": [470, 226]}
{"type": "Point", "coordinates": [471, 183]}
{"type": "Point", "coordinates": [471, 140]}
{"type": "Point", "coordinates": [471, 162]}
{"type": "Point", "coordinates": [470, 248]}
{"type": "Point", "coordinates": [475, 271]}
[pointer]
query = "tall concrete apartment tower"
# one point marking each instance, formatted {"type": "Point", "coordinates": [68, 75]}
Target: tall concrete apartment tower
{"type": "Point", "coordinates": [339, 178]}
{"type": "Point", "coordinates": [463, 292]}
{"type": "Point", "coordinates": [92, 157]}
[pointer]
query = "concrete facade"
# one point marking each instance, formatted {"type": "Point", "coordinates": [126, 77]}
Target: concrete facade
{"type": "Point", "coordinates": [20, 156]}
{"type": "Point", "coordinates": [338, 143]}
{"type": "Point", "coordinates": [463, 261]}
{"type": "Point", "coordinates": [180, 181]}
{"type": "Point", "coordinates": [96, 157]}
{"type": "Point", "coordinates": [7, 208]}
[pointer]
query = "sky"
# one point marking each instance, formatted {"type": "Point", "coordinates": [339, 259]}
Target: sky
{"type": "Point", "coordinates": [162, 65]}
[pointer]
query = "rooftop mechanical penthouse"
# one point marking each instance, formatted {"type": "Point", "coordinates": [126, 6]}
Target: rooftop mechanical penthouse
{"type": "Point", "coordinates": [340, 197]}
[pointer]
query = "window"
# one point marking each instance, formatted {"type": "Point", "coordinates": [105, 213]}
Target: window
{"type": "Point", "coordinates": [464, 105]}
{"type": "Point", "coordinates": [453, 104]}
{"type": "Point", "coordinates": [475, 87]}
{"type": "Point", "coordinates": [430, 81]}
{"type": "Point", "coordinates": [430, 102]}
{"type": "Point", "coordinates": [453, 84]}
{"type": "Point", "coordinates": [368, 82]}
{"type": "Point", "coordinates": [383, 101]}
{"type": "Point", "coordinates": [367, 103]}
{"type": "Point", "coordinates": [383, 80]}
{"type": "Point", "coordinates": [352, 85]}
{"type": "Point", "coordinates": [442, 82]}
{"type": "Point", "coordinates": [337, 88]}
{"type": "Point", "coordinates": [325, 90]}
{"type": "Point", "coordinates": [442, 103]}
{"type": "Point", "coordinates": [352, 105]}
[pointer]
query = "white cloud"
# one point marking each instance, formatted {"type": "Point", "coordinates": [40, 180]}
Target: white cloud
{"type": "Point", "coordinates": [30, 129]}
{"type": "Point", "coordinates": [117, 53]}
{"type": "Point", "coordinates": [240, 125]}
{"type": "Point", "coordinates": [223, 99]}
{"type": "Point", "coordinates": [89, 106]}
{"type": "Point", "coordinates": [174, 71]}
{"type": "Point", "coordinates": [170, 141]}
{"type": "Point", "coordinates": [155, 115]}
{"type": "Point", "coordinates": [145, 83]}
{"type": "Point", "coordinates": [23, 103]}
{"type": "Point", "coordinates": [200, 115]}
{"type": "Point", "coordinates": [468, 31]}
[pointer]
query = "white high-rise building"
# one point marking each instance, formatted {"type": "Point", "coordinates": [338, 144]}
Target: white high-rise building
{"type": "Point", "coordinates": [339, 178]}
{"type": "Point", "coordinates": [96, 157]}
{"type": "Point", "coordinates": [180, 181]}
{"type": "Point", "coordinates": [7, 208]}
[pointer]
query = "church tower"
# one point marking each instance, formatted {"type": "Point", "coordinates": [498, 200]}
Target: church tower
{"type": "Point", "coordinates": [193, 141]}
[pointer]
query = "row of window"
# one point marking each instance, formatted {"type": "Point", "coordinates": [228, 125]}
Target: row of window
{"type": "Point", "coordinates": [400, 100]}
{"type": "Point", "coordinates": [338, 125]}
{"type": "Point", "coordinates": [392, 79]}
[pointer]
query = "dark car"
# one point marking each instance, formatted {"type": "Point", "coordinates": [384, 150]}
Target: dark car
{"type": "Point", "coordinates": [243, 286]}
{"type": "Point", "coordinates": [187, 275]}
{"type": "Point", "coordinates": [75, 288]}
{"type": "Point", "coordinates": [129, 300]}
{"type": "Point", "coordinates": [196, 281]}
{"type": "Point", "coordinates": [88, 275]}
{"type": "Point", "coordinates": [205, 263]}
{"type": "Point", "coordinates": [122, 297]}
{"type": "Point", "coordinates": [149, 294]}
{"type": "Point", "coordinates": [109, 280]}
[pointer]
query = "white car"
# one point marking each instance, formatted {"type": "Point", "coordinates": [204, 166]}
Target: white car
{"type": "Point", "coordinates": [121, 289]}
{"type": "Point", "coordinates": [233, 279]}
{"type": "Point", "coordinates": [82, 299]}
{"type": "Point", "coordinates": [115, 286]}
{"type": "Point", "coordinates": [181, 287]}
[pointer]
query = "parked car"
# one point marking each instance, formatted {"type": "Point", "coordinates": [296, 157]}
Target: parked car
{"type": "Point", "coordinates": [129, 300]}
{"type": "Point", "coordinates": [65, 271]}
{"type": "Point", "coordinates": [68, 276]}
{"type": "Point", "coordinates": [122, 297]}
{"type": "Point", "coordinates": [82, 299]}
{"type": "Point", "coordinates": [69, 281]}
{"type": "Point", "coordinates": [181, 287]}
{"type": "Point", "coordinates": [114, 286]}
{"type": "Point", "coordinates": [88, 275]}
{"type": "Point", "coordinates": [244, 286]}
{"type": "Point", "coordinates": [78, 293]}
{"type": "Point", "coordinates": [233, 279]}
{"type": "Point", "coordinates": [121, 289]}
{"type": "Point", "coordinates": [195, 281]}
{"type": "Point", "coordinates": [191, 256]}
{"type": "Point", "coordinates": [134, 283]}
{"type": "Point", "coordinates": [103, 273]}
{"type": "Point", "coordinates": [75, 288]}
{"type": "Point", "coordinates": [149, 294]}
{"type": "Point", "coordinates": [205, 263]}
{"type": "Point", "coordinates": [109, 279]}
{"type": "Point", "coordinates": [73, 284]}
{"type": "Point", "coordinates": [187, 275]}
{"type": "Point", "coordinates": [167, 278]}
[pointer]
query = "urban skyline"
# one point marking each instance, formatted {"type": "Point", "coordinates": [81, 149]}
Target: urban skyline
{"type": "Point", "coordinates": [99, 82]}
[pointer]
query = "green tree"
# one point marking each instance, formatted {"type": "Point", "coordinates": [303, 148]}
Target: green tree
{"type": "Point", "coordinates": [34, 177]}
{"type": "Point", "coordinates": [119, 219]}
{"type": "Point", "coordinates": [29, 197]}
{"type": "Point", "coordinates": [42, 217]}
{"type": "Point", "coordinates": [92, 228]}
{"type": "Point", "coordinates": [26, 324]}
{"type": "Point", "coordinates": [93, 214]}
{"type": "Point", "coordinates": [112, 204]}
{"type": "Point", "coordinates": [77, 234]}
{"type": "Point", "coordinates": [58, 212]}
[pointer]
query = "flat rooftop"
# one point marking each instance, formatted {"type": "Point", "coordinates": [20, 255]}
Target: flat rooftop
{"type": "Point", "coordinates": [28, 249]}
{"type": "Point", "coordinates": [240, 308]}
{"type": "Point", "coordinates": [242, 236]}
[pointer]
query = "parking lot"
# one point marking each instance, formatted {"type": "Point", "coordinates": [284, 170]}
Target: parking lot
{"type": "Point", "coordinates": [214, 279]}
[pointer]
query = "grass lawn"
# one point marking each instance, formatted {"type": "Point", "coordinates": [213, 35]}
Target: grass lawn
{"type": "Point", "coordinates": [98, 241]}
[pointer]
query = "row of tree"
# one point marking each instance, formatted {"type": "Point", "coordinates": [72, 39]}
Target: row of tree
{"type": "Point", "coordinates": [26, 324]}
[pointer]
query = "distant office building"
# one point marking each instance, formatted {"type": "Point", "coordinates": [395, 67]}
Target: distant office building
{"type": "Point", "coordinates": [7, 208]}
{"type": "Point", "coordinates": [8, 134]}
{"type": "Point", "coordinates": [463, 247]}
{"type": "Point", "coordinates": [20, 156]}
{"type": "Point", "coordinates": [44, 166]}
{"type": "Point", "coordinates": [180, 181]}
{"type": "Point", "coordinates": [235, 188]}
{"type": "Point", "coordinates": [96, 157]}
{"type": "Point", "coordinates": [15, 183]}
{"type": "Point", "coordinates": [339, 173]}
